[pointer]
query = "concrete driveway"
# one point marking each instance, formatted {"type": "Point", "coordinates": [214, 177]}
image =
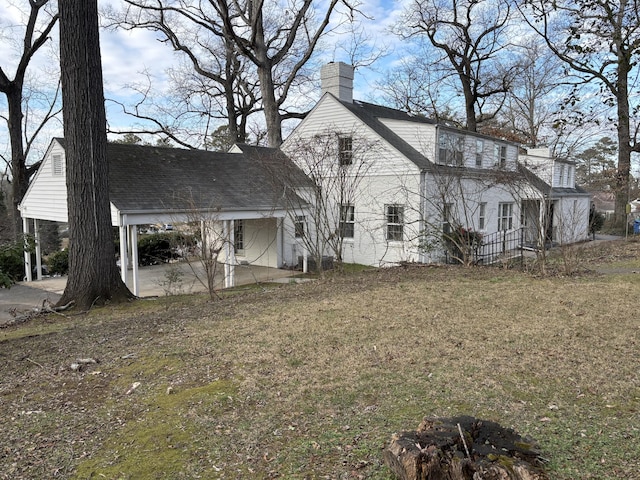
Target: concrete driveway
{"type": "Point", "coordinates": [156, 280]}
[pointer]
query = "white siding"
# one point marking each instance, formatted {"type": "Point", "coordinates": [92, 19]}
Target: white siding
{"type": "Point", "coordinates": [390, 179]}
{"type": "Point", "coordinates": [571, 219]}
{"type": "Point", "coordinates": [421, 136]}
{"type": "Point", "coordinates": [260, 244]}
{"type": "Point", "coordinates": [329, 116]}
{"type": "Point", "coordinates": [370, 245]}
{"type": "Point", "coordinates": [46, 197]}
{"type": "Point", "coordinates": [466, 208]}
{"type": "Point", "coordinates": [541, 164]}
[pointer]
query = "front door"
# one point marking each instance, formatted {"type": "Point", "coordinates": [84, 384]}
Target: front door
{"type": "Point", "coordinates": [531, 222]}
{"type": "Point", "coordinates": [549, 223]}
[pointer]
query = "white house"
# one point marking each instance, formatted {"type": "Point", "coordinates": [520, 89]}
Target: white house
{"type": "Point", "coordinates": [401, 184]}
{"type": "Point", "coordinates": [153, 185]}
{"type": "Point", "coordinates": [562, 206]}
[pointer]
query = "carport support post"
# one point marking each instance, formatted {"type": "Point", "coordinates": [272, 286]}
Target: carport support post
{"type": "Point", "coordinates": [133, 235]}
{"type": "Point", "coordinates": [229, 254]}
{"type": "Point", "coordinates": [123, 252]}
{"type": "Point", "coordinates": [305, 260]}
{"type": "Point", "coordinates": [27, 254]}
{"type": "Point", "coordinates": [36, 232]}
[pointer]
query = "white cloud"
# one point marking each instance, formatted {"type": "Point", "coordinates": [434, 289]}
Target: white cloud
{"type": "Point", "coordinates": [127, 54]}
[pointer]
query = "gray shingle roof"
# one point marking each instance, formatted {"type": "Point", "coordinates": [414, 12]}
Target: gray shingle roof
{"type": "Point", "coordinates": [160, 179]}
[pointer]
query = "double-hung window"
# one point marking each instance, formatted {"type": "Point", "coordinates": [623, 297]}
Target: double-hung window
{"type": "Point", "coordinates": [450, 148]}
{"type": "Point", "coordinates": [347, 220]}
{"type": "Point", "coordinates": [479, 150]}
{"type": "Point", "coordinates": [395, 222]}
{"type": "Point", "coordinates": [298, 226]}
{"type": "Point", "coordinates": [345, 150]}
{"type": "Point", "coordinates": [482, 216]}
{"type": "Point", "coordinates": [446, 218]}
{"type": "Point", "coordinates": [505, 216]}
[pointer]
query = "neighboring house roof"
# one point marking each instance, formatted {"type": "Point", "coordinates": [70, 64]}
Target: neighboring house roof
{"type": "Point", "coordinates": [162, 179]}
{"type": "Point", "coordinates": [604, 201]}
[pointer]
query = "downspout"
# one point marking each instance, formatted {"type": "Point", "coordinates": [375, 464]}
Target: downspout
{"type": "Point", "coordinates": [280, 242]}
{"type": "Point", "coordinates": [422, 255]}
{"type": "Point", "coordinates": [133, 235]}
{"type": "Point", "coordinates": [123, 248]}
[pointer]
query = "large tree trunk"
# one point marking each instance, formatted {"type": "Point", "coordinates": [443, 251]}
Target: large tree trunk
{"type": "Point", "coordinates": [272, 115]}
{"type": "Point", "coordinates": [624, 147]}
{"type": "Point", "coordinates": [264, 65]}
{"type": "Point", "coordinates": [93, 274]}
{"type": "Point", "coordinates": [19, 177]}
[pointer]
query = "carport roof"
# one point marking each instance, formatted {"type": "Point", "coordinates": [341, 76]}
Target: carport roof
{"type": "Point", "coordinates": [161, 179]}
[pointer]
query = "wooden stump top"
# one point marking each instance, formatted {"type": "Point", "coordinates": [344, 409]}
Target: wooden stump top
{"type": "Point", "coordinates": [463, 448]}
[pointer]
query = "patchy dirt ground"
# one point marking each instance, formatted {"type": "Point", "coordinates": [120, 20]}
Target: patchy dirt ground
{"type": "Point", "coordinates": [311, 380]}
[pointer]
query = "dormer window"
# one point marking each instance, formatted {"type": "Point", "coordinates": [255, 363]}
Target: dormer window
{"type": "Point", "coordinates": [56, 165]}
{"type": "Point", "coordinates": [479, 151]}
{"type": "Point", "coordinates": [450, 147]}
{"type": "Point", "coordinates": [345, 150]}
{"type": "Point", "coordinates": [501, 155]}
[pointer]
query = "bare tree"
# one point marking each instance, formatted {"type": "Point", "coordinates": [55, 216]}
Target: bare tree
{"type": "Point", "coordinates": [600, 41]}
{"type": "Point", "coordinates": [93, 274]}
{"type": "Point", "coordinates": [409, 87]}
{"type": "Point", "coordinates": [531, 108]}
{"type": "Point", "coordinates": [278, 43]}
{"type": "Point", "coordinates": [204, 242]}
{"type": "Point", "coordinates": [232, 42]}
{"type": "Point", "coordinates": [471, 34]}
{"type": "Point", "coordinates": [39, 24]}
{"type": "Point", "coordinates": [216, 83]}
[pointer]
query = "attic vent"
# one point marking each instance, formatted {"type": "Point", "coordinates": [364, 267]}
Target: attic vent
{"type": "Point", "coordinates": [57, 165]}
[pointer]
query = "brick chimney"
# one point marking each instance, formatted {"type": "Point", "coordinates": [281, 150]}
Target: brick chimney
{"type": "Point", "coordinates": [337, 78]}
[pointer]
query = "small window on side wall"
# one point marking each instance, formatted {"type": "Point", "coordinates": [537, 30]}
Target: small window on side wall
{"type": "Point", "coordinates": [238, 236]}
{"type": "Point", "coordinates": [347, 220]}
{"type": "Point", "coordinates": [299, 226]}
{"type": "Point", "coordinates": [395, 223]}
{"type": "Point", "coordinates": [345, 150]}
{"type": "Point", "coordinates": [56, 165]}
{"type": "Point", "coordinates": [482, 216]}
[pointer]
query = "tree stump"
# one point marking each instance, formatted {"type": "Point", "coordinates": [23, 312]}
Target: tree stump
{"type": "Point", "coordinates": [463, 448]}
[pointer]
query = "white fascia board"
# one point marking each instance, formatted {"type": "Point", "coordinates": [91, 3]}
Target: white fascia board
{"type": "Point", "coordinates": [149, 218]}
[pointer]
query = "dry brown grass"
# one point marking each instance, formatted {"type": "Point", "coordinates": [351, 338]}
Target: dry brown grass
{"type": "Point", "coordinates": [310, 381]}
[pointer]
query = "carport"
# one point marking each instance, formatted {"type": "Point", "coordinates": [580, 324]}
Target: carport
{"type": "Point", "coordinates": [150, 185]}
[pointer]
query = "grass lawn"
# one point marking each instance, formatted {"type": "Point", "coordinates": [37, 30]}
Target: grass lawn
{"type": "Point", "coordinates": [311, 380]}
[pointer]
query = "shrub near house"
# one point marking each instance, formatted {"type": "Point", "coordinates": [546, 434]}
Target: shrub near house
{"type": "Point", "coordinates": [162, 247]}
